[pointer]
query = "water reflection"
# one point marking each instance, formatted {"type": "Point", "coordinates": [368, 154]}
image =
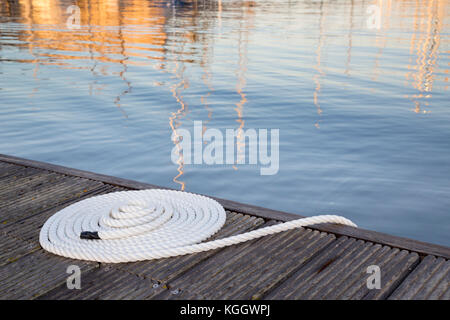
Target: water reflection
{"type": "Point", "coordinates": [320, 73]}
{"type": "Point", "coordinates": [109, 32]}
{"type": "Point", "coordinates": [425, 43]}
{"type": "Point", "coordinates": [137, 32]}
{"type": "Point", "coordinates": [176, 117]}
{"type": "Point", "coordinates": [122, 32]}
{"type": "Point", "coordinates": [242, 45]}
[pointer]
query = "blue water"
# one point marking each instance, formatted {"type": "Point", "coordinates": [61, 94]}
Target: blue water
{"type": "Point", "coordinates": [363, 108]}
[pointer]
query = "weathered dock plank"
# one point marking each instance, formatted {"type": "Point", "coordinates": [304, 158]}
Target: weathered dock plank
{"type": "Point", "coordinates": [250, 269]}
{"type": "Point", "coordinates": [9, 169]}
{"type": "Point", "coordinates": [42, 195]}
{"type": "Point", "coordinates": [341, 272]}
{"type": "Point", "coordinates": [35, 274]}
{"type": "Point", "coordinates": [107, 282]}
{"type": "Point", "coordinates": [429, 280]}
{"type": "Point", "coordinates": [28, 228]}
{"type": "Point", "coordinates": [322, 262]}
{"type": "Point", "coordinates": [11, 249]}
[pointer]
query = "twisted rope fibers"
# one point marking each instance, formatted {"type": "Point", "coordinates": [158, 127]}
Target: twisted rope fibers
{"type": "Point", "coordinates": [150, 224]}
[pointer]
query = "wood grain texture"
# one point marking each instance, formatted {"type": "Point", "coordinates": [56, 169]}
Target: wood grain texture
{"type": "Point", "coordinates": [250, 269]}
{"type": "Point", "coordinates": [12, 249]}
{"type": "Point", "coordinates": [341, 272]}
{"type": "Point", "coordinates": [43, 193]}
{"type": "Point", "coordinates": [35, 274]}
{"type": "Point", "coordinates": [422, 248]}
{"type": "Point", "coordinates": [429, 280]}
{"type": "Point", "coordinates": [9, 169]}
{"type": "Point", "coordinates": [107, 282]}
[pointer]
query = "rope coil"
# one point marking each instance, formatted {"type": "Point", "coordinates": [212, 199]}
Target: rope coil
{"type": "Point", "coordinates": [150, 224]}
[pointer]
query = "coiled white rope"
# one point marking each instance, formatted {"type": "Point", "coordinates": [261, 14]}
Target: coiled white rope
{"type": "Point", "coordinates": [149, 224]}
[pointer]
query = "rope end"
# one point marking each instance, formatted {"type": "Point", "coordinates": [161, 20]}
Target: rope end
{"type": "Point", "coordinates": [89, 235]}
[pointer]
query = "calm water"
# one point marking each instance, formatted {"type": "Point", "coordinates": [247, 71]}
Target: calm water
{"type": "Point", "coordinates": [361, 99]}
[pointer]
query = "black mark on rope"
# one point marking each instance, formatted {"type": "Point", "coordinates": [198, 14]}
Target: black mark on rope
{"type": "Point", "coordinates": [89, 235]}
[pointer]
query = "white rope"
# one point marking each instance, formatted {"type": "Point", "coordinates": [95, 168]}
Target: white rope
{"type": "Point", "coordinates": [149, 224]}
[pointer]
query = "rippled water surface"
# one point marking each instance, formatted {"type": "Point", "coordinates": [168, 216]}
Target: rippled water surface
{"type": "Point", "coordinates": [358, 90]}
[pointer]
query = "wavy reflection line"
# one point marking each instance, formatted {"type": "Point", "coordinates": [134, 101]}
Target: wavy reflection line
{"type": "Point", "coordinates": [207, 79]}
{"type": "Point", "coordinates": [350, 41]}
{"type": "Point", "coordinates": [412, 43]}
{"type": "Point", "coordinates": [117, 101]}
{"type": "Point", "coordinates": [219, 15]}
{"type": "Point", "coordinates": [426, 49]}
{"type": "Point", "coordinates": [174, 119]}
{"type": "Point", "coordinates": [241, 83]}
{"type": "Point", "coordinates": [381, 37]}
{"type": "Point", "coordinates": [318, 67]}
{"type": "Point", "coordinates": [30, 39]}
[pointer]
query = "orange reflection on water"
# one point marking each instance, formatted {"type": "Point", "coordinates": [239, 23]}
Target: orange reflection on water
{"type": "Point", "coordinates": [425, 43]}
{"type": "Point", "coordinates": [111, 31]}
{"type": "Point", "coordinates": [427, 24]}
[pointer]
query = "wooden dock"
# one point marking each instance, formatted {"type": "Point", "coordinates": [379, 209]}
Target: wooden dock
{"type": "Point", "coordinates": [324, 262]}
